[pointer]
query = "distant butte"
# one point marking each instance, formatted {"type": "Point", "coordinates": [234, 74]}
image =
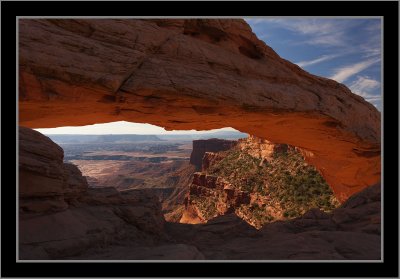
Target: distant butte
{"type": "Point", "coordinates": [200, 147]}
{"type": "Point", "coordinates": [194, 74]}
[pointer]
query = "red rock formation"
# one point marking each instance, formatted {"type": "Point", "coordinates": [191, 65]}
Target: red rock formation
{"type": "Point", "coordinates": [261, 148]}
{"type": "Point", "coordinates": [46, 184]}
{"type": "Point", "coordinates": [349, 232]}
{"type": "Point", "coordinates": [174, 203]}
{"type": "Point", "coordinates": [106, 224]}
{"type": "Point", "coordinates": [211, 188]}
{"type": "Point", "coordinates": [260, 181]}
{"type": "Point", "coordinates": [194, 74]}
{"type": "Point", "coordinates": [209, 159]}
{"type": "Point", "coordinates": [61, 217]}
{"type": "Point", "coordinates": [200, 147]}
{"type": "Point", "coordinates": [208, 181]}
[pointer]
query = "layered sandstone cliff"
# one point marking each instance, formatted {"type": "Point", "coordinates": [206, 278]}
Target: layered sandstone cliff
{"type": "Point", "coordinates": [108, 224]}
{"type": "Point", "coordinates": [59, 216]}
{"type": "Point", "coordinates": [210, 196]}
{"type": "Point", "coordinates": [46, 184]}
{"type": "Point", "coordinates": [200, 147]}
{"type": "Point", "coordinates": [259, 181]}
{"type": "Point", "coordinates": [194, 74]}
{"type": "Point", "coordinates": [261, 148]}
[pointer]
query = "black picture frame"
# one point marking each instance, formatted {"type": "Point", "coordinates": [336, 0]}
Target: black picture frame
{"type": "Point", "coordinates": [388, 9]}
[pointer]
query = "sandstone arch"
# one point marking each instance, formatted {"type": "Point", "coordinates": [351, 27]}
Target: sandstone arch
{"type": "Point", "coordinates": [194, 74]}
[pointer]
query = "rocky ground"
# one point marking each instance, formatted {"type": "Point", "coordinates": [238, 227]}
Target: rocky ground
{"type": "Point", "coordinates": [61, 218]}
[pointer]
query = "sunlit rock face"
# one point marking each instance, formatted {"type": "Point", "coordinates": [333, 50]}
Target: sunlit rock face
{"type": "Point", "coordinates": [194, 74]}
{"type": "Point", "coordinates": [259, 181]}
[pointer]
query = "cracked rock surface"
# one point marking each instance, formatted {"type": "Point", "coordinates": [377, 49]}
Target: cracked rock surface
{"type": "Point", "coordinates": [194, 74]}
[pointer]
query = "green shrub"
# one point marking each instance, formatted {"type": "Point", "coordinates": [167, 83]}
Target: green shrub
{"type": "Point", "coordinates": [295, 187]}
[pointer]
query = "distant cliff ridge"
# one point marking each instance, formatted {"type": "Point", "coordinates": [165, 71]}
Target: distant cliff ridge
{"type": "Point", "coordinates": [200, 147]}
{"type": "Point", "coordinates": [102, 138]}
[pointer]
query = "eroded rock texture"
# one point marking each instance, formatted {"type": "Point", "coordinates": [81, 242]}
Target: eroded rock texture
{"type": "Point", "coordinates": [200, 147]}
{"type": "Point", "coordinates": [61, 217]}
{"type": "Point", "coordinates": [260, 181]}
{"type": "Point", "coordinates": [353, 231]}
{"type": "Point", "coordinates": [213, 189]}
{"type": "Point", "coordinates": [103, 223]}
{"type": "Point", "coordinates": [46, 184]}
{"type": "Point", "coordinates": [194, 74]}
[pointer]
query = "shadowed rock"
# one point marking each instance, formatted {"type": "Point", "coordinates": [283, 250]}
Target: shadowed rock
{"type": "Point", "coordinates": [104, 223]}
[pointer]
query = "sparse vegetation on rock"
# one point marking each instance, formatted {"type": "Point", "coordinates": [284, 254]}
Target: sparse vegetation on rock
{"type": "Point", "coordinates": [280, 184]}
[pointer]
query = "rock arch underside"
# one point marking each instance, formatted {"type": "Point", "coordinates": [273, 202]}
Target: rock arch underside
{"type": "Point", "coordinates": [194, 74]}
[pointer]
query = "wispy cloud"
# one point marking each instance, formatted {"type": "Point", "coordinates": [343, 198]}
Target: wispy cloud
{"type": "Point", "coordinates": [367, 88]}
{"type": "Point", "coordinates": [327, 32]}
{"type": "Point", "coordinates": [304, 26]}
{"type": "Point", "coordinates": [364, 84]}
{"type": "Point", "coordinates": [370, 51]}
{"type": "Point", "coordinates": [323, 40]}
{"type": "Point", "coordinates": [256, 21]}
{"type": "Point", "coordinates": [317, 31]}
{"type": "Point", "coordinates": [318, 60]}
{"type": "Point", "coordinates": [372, 47]}
{"type": "Point", "coordinates": [377, 102]}
{"type": "Point", "coordinates": [343, 73]}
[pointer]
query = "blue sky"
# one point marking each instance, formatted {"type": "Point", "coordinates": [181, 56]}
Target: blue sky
{"type": "Point", "coordinates": [345, 50]}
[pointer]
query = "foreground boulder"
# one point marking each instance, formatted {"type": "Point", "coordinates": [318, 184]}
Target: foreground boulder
{"type": "Point", "coordinates": [102, 217]}
{"type": "Point", "coordinates": [61, 217]}
{"type": "Point", "coordinates": [46, 184]}
{"type": "Point", "coordinates": [108, 224]}
{"type": "Point", "coordinates": [351, 232]}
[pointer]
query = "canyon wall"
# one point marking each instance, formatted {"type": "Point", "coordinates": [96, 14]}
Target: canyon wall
{"type": "Point", "coordinates": [194, 74]}
{"type": "Point", "coordinates": [218, 197]}
{"type": "Point", "coordinates": [60, 218]}
{"type": "Point", "coordinates": [259, 181]}
{"type": "Point", "coordinates": [200, 147]}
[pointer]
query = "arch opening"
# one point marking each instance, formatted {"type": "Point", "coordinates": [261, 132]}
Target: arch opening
{"type": "Point", "coordinates": [346, 161]}
{"type": "Point", "coordinates": [179, 81]}
{"type": "Point", "coordinates": [197, 175]}
{"type": "Point", "coordinates": [183, 75]}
